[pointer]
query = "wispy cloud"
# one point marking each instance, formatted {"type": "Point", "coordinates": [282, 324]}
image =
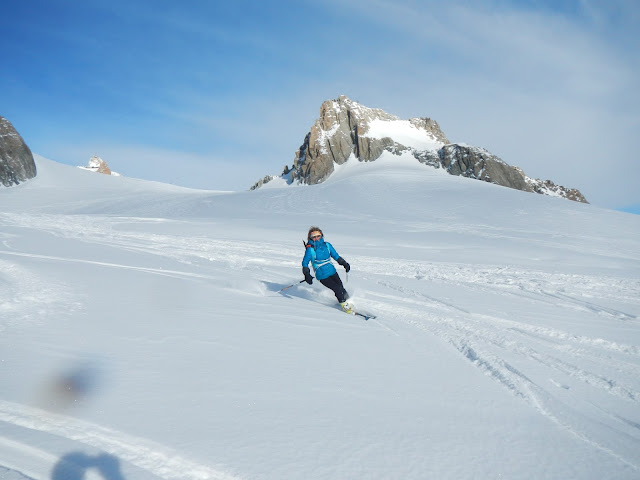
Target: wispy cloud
{"type": "Point", "coordinates": [539, 86]}
{"type": "Point", "coordinates": [549, 86]}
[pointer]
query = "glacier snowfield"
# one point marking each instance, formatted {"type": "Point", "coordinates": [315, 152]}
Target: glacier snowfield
{"type": "Point", "coordinates": [142, 335]}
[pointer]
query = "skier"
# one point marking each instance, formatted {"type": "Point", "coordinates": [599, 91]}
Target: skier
{"type": "Point", "coordinates": [320, 253]}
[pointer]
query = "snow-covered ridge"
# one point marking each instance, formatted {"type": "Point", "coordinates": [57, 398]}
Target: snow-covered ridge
{"type": "Point", "coordinates": [405, 133]}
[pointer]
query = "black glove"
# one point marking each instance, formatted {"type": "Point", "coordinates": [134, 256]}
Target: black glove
{"type": "Point", "coordinates": [307, 275]}
{"type": "Point", "coordinates": [343, 262]}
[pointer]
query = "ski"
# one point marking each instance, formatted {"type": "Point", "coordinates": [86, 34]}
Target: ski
{"type": "Point", "coordinates": [353, 311]}
{"type": "Point", "coordinates": [366, 316]}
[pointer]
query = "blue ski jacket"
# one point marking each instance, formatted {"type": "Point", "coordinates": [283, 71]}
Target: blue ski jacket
{"type": "Point", "coordinates": [320, 253]}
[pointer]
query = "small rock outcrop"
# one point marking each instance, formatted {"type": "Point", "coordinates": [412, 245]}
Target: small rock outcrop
{"type": "Point", "coordinates": [547, 187]}
{"type": "Point", "coordinates": [345, 129]}
{"type": "Point", "coordinates": [98, 165]}
{"type": "Point", "coordinates": [16, 160]}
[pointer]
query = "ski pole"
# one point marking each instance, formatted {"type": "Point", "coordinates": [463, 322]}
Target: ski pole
{"type": "Point", "coordinates": [292, 285]}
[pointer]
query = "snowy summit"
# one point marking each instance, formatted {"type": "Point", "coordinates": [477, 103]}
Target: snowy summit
{"type": "Point", "coordinates": [347, 131]}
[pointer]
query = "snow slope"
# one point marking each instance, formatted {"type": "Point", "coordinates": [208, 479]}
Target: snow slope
{"type": "Point", "coordinates": [403, 132]}
{"type": "Point", "coordinates": [142, 335]}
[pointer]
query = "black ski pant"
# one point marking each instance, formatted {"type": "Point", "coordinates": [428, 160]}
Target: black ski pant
{"type": "Point", "coordinates": [334, 283]}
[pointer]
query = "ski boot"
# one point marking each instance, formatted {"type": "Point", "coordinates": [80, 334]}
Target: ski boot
{"type": "Point", "coordinates": [346, 307]}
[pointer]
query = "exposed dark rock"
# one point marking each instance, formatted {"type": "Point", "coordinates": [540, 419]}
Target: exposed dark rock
{"type": "Point", "coordinates": [16, 161]}
{"type": "Point", "coordinates": [474, 162]}
{"type": "Point", "coordinates": [547, 187]}
{"type": "Point", "coordinates": [263, 181]}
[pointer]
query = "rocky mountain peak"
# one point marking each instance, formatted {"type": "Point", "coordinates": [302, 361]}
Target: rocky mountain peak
{"type": "Point", "coordinates": [16, 160]}
{"type": "Point", "coordinates": [345, 129]}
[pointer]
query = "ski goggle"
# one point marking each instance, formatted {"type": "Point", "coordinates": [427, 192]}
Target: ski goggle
{"type": "Point", "coordinates": [316, 237]}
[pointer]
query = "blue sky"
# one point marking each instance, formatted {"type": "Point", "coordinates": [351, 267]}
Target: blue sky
{"type": "Point", "coordinates": [216, 95]}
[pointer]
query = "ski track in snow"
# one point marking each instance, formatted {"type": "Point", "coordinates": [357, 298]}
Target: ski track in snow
{"type": "Point", "coordinates": [184, 249]}
{"type": "Point", "coordinates": [506, 350]}
{"type": "Point", "coordinates": [539, 364]}
{"type": "Point", "coordinates": [146, 455]}
{"type": "Point", "coordinates": [27, 299]}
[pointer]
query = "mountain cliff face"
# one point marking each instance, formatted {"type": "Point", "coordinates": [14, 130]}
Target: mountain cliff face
{"type": "Point", "coordinates": [16, 160]}
{"type": "Point", "coordinates": [345, 128]}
